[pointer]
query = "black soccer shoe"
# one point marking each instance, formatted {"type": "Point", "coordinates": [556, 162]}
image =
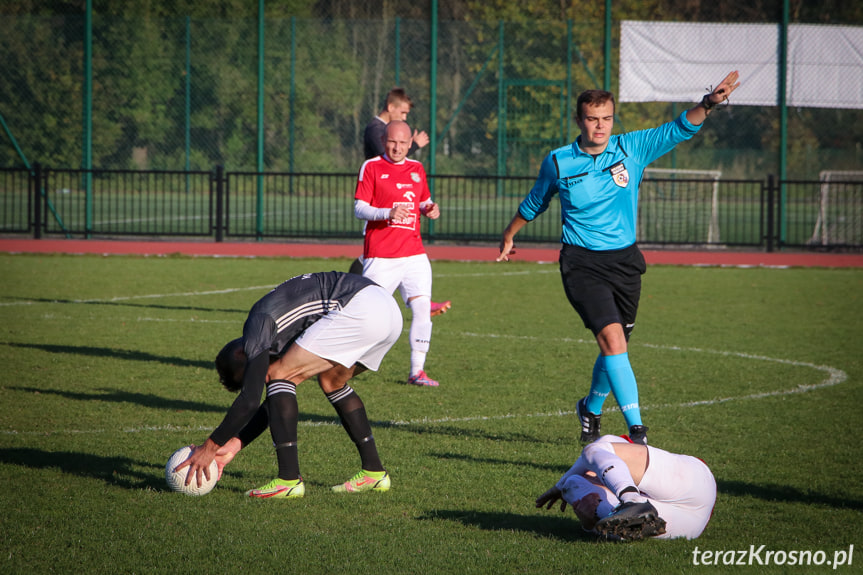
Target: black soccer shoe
{"type": "Point", "coordinates": [638, 434]}
{"type": "Point", "coordinates": [589, 422]}
{"type": "Point", "coordinates": [631, 521]}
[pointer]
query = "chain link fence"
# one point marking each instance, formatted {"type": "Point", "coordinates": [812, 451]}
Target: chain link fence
{"type": "Point", "coordinates": [183, 93]}
{"type": "Point", "coordinates": [292, 96]}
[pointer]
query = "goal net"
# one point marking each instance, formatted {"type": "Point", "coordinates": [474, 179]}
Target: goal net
{"type": "Point", "coordinates": [840, 210]}
{"type": "Point", "coordinates": [679, 206]}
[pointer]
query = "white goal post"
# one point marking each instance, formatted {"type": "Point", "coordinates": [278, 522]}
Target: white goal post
{"type": "Point", "coordinates": [714, 175]}
{"type": "Point", "coordinates": [835, 226]}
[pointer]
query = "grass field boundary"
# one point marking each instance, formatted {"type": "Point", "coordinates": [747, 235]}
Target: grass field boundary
{"type": "Point", "coordinates": [350, 250]}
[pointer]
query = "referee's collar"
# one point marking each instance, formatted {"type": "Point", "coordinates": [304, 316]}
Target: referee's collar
{"type": "Point", "coordinates": [609, 148]}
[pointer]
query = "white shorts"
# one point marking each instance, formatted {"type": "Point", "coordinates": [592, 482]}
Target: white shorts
{"type": "Point", "coordinates": [411, 275]}
{"type": "Point", "coordinates": [682, 489]}
{"type": "Point", "coordinates": [361, 332]}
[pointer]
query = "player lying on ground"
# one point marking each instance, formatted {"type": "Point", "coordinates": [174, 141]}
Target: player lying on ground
{"type": "Point", "coordinates": [628, 491]}
{"type": "Point", "coordinates": [331, 325]}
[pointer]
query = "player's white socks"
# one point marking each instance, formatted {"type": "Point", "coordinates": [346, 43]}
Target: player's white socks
{"type": "Point", "coordinates": [420, 332]}
{"type": "Point", "coordinates": [600, 458]}
{"type": "Point", "coordinates": [577, 486]}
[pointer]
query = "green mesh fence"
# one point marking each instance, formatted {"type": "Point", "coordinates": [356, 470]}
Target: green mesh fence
{"type": "Point", "coordinates": [183, 93]}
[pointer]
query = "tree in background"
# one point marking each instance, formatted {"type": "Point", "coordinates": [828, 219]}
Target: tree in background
{"type": "Point", "coordinates": [344, 63]}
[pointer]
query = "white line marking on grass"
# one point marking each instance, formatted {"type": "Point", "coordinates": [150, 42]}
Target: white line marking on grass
{"type": "Point", "coordinates": [190, 320]}
{"type": "Point", "coordinates": [835, 376]}
{"type": "Point", "coordinates": [98, 431]}
{"type": "Point", "coordinates": [145, 296]}
{"type": "Point", "coordinates": [233, 290]}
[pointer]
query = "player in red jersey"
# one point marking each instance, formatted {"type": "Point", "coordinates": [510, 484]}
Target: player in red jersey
{"type": "Point", "coordinates": [397, 105]}
{"type": "Point", "coordinates": [392, 195]}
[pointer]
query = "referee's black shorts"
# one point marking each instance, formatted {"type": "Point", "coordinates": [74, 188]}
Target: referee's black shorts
{"type": "Point", "coordinates": [603, 286]}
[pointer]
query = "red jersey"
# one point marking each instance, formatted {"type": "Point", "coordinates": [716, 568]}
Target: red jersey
{"type": "Point", "coordinates": [384, 184]}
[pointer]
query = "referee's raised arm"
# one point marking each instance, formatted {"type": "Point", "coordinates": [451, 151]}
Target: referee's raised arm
{"type": "Point", "coordinates": [698, 113]}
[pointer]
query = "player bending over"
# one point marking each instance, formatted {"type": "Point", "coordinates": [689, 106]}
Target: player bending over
{"type": "Point", "coordinates": [331, 325]}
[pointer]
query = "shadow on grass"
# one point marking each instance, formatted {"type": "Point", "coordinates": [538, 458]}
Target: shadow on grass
{"type": "Point", "coordinates": [119, 396]}
{"type": "Point", "coordinates": [562, 527]}
{"type": "Point", "coordinates": [156, 402]}
{"type": "Point", "coordinates": [558, 469]}
{"type": "Point", "coordinates": [123, 472]}
{"type": "Point", "coordinates": [454, 431]}
{"type": "Point", "coordinates": [785, 493]}
{"type": "Point", "coordinates": [767, 492]}
{"type": "Point", "coordinates": [117, 470]}
{"type": "Point", "coordinates": [126, 303]}
{"type": "Point", "coordinates": [125, 354]}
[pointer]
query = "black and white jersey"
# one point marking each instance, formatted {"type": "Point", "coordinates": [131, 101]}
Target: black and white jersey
{"type": "Point", "coordinates": [274, 322]}
{"type": "Point", "coordinates": [278, 318]}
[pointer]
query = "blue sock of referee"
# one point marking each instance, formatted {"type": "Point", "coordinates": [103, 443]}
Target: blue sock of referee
{"type": "Point", "coordinates": [623, 385]}
{"type": "Point", "coordinates": [599, 386]}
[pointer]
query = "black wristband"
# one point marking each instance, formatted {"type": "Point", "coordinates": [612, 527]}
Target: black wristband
{"type": "Point", "coordinates": [705, 101]}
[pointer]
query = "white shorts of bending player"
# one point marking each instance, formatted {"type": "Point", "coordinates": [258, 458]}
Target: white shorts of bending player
{"type": "Point", "coordinates": [361, 332]}
{"type": "Point", "coordinates": [411, 275]}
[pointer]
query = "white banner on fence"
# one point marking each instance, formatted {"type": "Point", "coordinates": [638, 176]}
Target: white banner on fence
{"type": "Point", "coordinates": [677, 62]}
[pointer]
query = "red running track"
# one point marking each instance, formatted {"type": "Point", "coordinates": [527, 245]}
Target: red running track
{"type": "Point", "coordinates": [436, 252]}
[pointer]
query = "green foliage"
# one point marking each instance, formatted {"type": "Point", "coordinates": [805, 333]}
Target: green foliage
{"type": "Point", "coordinates": [317, 100]}
{"type": "Point", "coordinates": [108, 369]}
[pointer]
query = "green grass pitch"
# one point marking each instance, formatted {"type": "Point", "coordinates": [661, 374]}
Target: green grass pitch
{"type": "Point", "coordinates": [107, 369]}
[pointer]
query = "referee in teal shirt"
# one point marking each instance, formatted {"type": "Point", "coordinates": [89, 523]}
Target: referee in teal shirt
{"type": "Point", "coordinates": [596, 179]}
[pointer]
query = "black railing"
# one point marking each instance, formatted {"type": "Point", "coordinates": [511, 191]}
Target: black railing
{"type": "Point", "coordinates": [673, 211]}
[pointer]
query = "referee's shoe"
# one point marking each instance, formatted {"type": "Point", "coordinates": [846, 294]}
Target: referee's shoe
{"type": "Point", "coordinates": [638, 434]}
{"type": "Point", "coordinates": [589, 422]}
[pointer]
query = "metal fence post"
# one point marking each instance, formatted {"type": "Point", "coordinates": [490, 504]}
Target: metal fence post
{"type": "Point", "coordinates": [771, 189]}
{"type": "Point", "coordinates": [36, 183]}
{"type": "Point", "coordinates": [220, 203]}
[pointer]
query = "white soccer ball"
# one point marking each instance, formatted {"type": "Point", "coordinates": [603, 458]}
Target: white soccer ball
{"type": "Point", "coordinates": [177, 481]}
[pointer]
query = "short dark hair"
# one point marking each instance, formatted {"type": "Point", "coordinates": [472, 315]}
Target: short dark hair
{"type": "Point", "coordinates": [397, 95]}
{"type": "Point", "coordinates": [231, 364]}
{"type": "Point", "coordinates": [592, 98]}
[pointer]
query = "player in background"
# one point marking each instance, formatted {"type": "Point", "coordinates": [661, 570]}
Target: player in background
{"type": "Point", "coordinates": [391, 196]}
{"type": "Point", "coordinates": [596, 179]}
{"type": "Point", "coordinates": [397, 105]}
{"type": "Point", "coordinates": [628, 491]}
{"type": "Point", "coordinates": [331, 325]}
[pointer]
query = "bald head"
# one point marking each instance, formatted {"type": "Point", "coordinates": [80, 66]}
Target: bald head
{"type": "Point", "coordinates": [397, 140]}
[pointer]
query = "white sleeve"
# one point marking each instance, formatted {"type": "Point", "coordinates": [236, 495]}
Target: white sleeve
{"type": "Point", "coordinates": [364, 211]}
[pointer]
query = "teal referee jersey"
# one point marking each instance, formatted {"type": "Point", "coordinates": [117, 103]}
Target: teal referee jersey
{"type": "Point", "coordinates": [599, 195]}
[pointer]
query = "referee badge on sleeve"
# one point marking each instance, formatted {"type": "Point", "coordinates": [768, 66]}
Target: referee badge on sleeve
{"type": "Point", "coordinates": [619, 174]}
